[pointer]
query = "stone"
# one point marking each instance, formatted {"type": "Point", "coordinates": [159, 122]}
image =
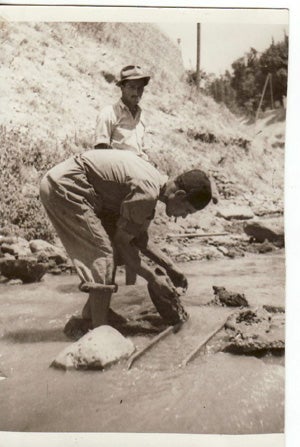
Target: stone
{"type": "Point", "coordinates": [97, 349]}
{"type": "Point", "coordinates": [26, 269]}
{"type": "Point", "coordinates": [274, 309]}
{"type": "Point", "coordinates": [223, 250]}
{"type": "Point", "coordinates": [14, 282]}
{"type": "Point", "coordinates": [266, 247]}
{"type": "Point", "coordinates": [255, 332]}
{"type": "Point", "coordinates": [16, 246]}
{"type": "Point", "coordinates": [8, 256]}
{"type": "Point", "coordinates": [235, 212]}
{"type": "Point", "coordinates": [266, 229]}
{"type": "Point", "coordinates": [8, 240]}
{"type": "Point", "coordinates": [39, 246]}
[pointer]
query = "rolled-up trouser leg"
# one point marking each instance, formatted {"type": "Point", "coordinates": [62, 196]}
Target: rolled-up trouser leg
{"type": "Point", "coordinates": [80, 231]}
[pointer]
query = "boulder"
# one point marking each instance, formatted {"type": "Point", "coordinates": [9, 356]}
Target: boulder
{"type": "Point", "coordinates": [256, 332]}
{"type": "Point", "coordinates": [266, 229]}
{"type": "Point", "coordinates": [38, 246]}
{"type": "Point", "coordinates": [235, 212]}
{"type": "Point", "coordinates": [26, 269]}
{"type": "Point", "coordinates": [16, 246]}
{"type": "Point", "coordinates": [97, 349]}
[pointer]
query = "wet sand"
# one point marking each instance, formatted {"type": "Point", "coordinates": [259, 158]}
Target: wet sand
{"type": "Point", "coordinates": [216, 393]}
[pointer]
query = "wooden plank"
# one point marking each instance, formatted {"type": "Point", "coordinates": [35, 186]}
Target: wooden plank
{"type": "Point", "coordinates": [196, 235]}
{"type": "Point", "coordinates": [153, 342]}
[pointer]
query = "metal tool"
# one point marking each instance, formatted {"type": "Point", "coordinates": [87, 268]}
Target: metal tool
{"type": "Point", "coordinates": [87, 280]}
{"type": "Point", "coordinates": [99, 294]}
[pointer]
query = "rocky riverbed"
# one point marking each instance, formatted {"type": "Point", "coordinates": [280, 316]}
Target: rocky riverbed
{"type": "Point", "coordinates": [236, 231]}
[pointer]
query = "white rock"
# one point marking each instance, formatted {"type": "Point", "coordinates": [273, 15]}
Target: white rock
{"type": "Point", "coordinates": [95, 350]}
{"type": "Point", "coordinates": [53, 252]}
{"type": "Point", "coordinates": [40, 245]}
{"type": "Point", "coordinates": [16, 246]}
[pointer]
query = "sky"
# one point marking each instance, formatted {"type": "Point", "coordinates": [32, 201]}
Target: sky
{"type": "Point", "coordinates": [221, 43]}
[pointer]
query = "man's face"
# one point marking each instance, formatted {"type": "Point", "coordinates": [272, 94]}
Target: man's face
{"type": "Point", "coordinates": [178, 206]}
{"type": "Point", "coordinates": [132, 91]}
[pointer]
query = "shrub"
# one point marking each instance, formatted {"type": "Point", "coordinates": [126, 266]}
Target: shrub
{"type": "Point", "coordinates": [24, 215]}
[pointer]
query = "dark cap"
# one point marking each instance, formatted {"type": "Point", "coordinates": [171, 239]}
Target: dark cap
{"type": "Point", "coordinates": [197, 186]}
{"type": "Point", "coordinates": [132, 72]}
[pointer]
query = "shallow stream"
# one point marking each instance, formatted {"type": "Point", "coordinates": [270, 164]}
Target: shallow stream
{"type": "Point", "coordinates": [216, 393]}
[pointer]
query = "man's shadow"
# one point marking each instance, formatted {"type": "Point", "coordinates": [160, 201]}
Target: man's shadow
{"type": "Point", "coordinates": [36, 335]}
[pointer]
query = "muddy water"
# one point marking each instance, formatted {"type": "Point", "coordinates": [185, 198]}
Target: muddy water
{"type": "Point", "coordinates": [215, 393]}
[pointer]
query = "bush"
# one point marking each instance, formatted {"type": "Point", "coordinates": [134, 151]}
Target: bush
{"type": "Point", "coordinates": [23, 215]}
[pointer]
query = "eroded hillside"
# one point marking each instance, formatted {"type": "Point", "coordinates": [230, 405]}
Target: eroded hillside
{"type": "Point", "coordinates": [55, 77]}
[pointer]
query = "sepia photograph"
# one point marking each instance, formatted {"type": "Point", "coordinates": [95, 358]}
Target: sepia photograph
{"type": "Point", "coordinates": [142, 231]}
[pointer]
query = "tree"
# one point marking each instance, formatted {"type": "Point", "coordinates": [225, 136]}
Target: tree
{"type": "Point", "coordinates": [275, 61]}
{"type": "Point", "coordinates": [241, 91]}
{"type": "Point", "coordinates": [246, 72]}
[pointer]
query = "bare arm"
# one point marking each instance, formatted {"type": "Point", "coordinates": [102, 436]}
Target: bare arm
{"type": "Point", "coordinates": [123, 242]}
{"type": "Point", "coordinates": [156, 255]}
{"type": "Point", "coordinates": [104, 128]}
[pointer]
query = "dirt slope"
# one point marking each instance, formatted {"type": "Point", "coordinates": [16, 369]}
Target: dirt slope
{"type": "Point", "coordinates": [55, 77]}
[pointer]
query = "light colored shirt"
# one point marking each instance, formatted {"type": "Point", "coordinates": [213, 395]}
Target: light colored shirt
{"type": "Point", "coordinates": [117, 128]}
{"type": "Point", "coordinates": [125, 185]}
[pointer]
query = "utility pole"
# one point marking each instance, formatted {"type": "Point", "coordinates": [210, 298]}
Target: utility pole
{"type": "Point", "coordinates": [271, 90]}
{"type": "Point", "coordinates": [262, 96]}
{"type": "Point", "coordinates": [198, 55]}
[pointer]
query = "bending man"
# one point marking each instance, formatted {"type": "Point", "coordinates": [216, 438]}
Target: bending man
{"type": "Point", "coordinates": [102, 202]}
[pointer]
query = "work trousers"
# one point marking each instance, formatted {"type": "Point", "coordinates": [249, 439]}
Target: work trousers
{"type": "Point", "coordinates": [69, 201]}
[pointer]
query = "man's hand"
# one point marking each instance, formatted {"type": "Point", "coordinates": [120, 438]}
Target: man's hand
{"type": "Point", "coordinates": [162, 287]}
{"type": "Point", "coordinates": [177, 277]}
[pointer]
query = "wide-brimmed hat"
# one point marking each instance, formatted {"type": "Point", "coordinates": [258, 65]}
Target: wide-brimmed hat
{"type": "Point", "coordinates": [131, 72]}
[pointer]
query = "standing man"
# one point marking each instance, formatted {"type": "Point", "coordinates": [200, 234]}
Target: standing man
{"type": "Point", "coordinates": [121, 125]}
{"type": "Point", "coordinates": [102, 202]}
